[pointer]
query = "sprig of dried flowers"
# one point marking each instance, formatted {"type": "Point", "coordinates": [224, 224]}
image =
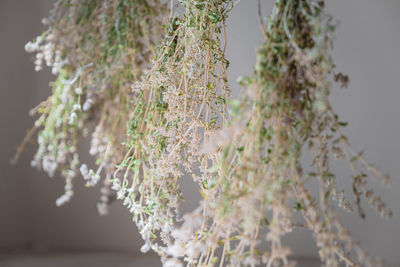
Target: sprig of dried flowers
{"type": "Point", "coordinates": [179, 100]}
{"type": "Point", "coordinates": [248, 170]}
{"type": "Point", "coordinates": [96, 49]}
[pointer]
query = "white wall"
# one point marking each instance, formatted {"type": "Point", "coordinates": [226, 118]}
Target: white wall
{"type": "Point", "coordinates": [366, 48]}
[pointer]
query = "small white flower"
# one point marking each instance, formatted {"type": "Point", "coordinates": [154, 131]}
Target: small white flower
{"type": "Point", "coordinates": [72, 118]}
{"type": "Point", "coordinates": [176, 250]}
{"type": "Point", "coordinates": [173, 263]}
{"type": "Point", "coordinates": [34, 163]}
{"type": "Point", "coordinates": [103, 208]}
{"type": "Point", "coordinates": [33, 46]}
{"type": "Point", "coordinates": [93, 150]}
{"type": "Point", "coordinates": [120, 194]}
{"type": "Point", "coordinates": [76, 107]}
{"type": "Point", "coordinates": [78, 91]}
{"type": "Point", "coordinates": [84, 170]}
{"type": "Point", "coordinates": [63, 199]}
{"type": "Point", "coordinates": [145, 248]}
{"type": "Point", "coordinates": [88, 104]}
{"type": "Point", "coordinates": [49, 166]}
{"type": "Point", "coordinates": [38, 123]}
{"type": "Point", "coordinates": [95, 177]}
{"type": "Point", "coordinates": [116, 185]}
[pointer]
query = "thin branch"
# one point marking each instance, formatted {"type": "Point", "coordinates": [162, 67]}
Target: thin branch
{"type": "Point", "coordinates": [260, 21]}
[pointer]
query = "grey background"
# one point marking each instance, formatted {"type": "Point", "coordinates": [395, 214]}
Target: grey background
{"type": "Point", "coordinates": [366, 48]}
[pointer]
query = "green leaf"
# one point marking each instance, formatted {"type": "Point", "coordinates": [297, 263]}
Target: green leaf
{"type": "Point", "coordinates": [299, 206]}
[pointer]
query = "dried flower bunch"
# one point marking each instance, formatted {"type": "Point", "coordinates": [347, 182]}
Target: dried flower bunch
{"type": "Point", "coordinates": [259, 185]}
{"type": "Point", "coordinates": [157, 111]}
{"type": "Point", "coordinates": [96, 49]}
{"type": "Point", "coordinates": [179, 101]}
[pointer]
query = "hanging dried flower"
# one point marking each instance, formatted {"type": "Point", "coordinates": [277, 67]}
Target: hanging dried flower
{"type": "Point", "coordinates": [95, 53]}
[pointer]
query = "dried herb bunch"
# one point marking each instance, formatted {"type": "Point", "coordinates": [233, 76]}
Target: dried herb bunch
{"type": "Point", "coordinates": [96, 49]}
{"type": "Point", "coordinates": [179, 100]}
{"type": "Point", "coordinates": [259, 188]}
{"type": "Point", "coordinates": [159, 112]}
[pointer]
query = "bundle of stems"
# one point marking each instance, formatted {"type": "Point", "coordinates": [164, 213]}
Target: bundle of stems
{"type": "Point", "coordinates": [179, 101]}
{"type": "Point", "coordinates": [157, 111]}
{"type": "Point", "coordinates": [95, 49]}
{"type": "Point", "coordinates": [258, 192]}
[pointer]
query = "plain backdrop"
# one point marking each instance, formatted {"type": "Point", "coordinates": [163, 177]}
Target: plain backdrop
{"type": "Point", "coordinates": [366, 48]}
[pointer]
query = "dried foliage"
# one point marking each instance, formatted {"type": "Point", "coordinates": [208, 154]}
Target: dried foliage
{"type": "Point", "coordinates": [179, 100]}
{"type": "Point", "coordinates": [96, 49]}
{"type": "Point", "coordinates": [157, 113]}
{"type": "Point", "coordinates": [259, 184]}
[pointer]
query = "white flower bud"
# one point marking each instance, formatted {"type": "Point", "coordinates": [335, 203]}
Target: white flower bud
{"type": "Point", "coordinates": [78, 91]}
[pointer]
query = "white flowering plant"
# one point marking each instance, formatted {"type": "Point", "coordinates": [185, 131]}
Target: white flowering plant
{"type": "Point", "coordinates": [96, 49]}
